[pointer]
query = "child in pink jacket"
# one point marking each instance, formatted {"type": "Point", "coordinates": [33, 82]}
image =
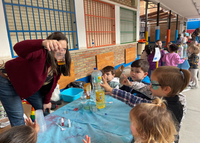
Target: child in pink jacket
{"type": "Point", "coordinates": [172, 58]}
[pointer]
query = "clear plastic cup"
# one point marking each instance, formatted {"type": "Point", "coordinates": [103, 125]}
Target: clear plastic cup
{"type": "Point", "coordinates": [39, 116]}
{"type": "Point", "coordinates": [60, 56]}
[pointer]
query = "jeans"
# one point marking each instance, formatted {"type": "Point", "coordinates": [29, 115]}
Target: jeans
{"type": "Point", "coordinates": [12, 102]}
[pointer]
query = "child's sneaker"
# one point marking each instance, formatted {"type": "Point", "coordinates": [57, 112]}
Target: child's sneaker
{"type": "Point", "coordinates": [191, 84]}
{"type": "Point", "coordinates": [194, 87]}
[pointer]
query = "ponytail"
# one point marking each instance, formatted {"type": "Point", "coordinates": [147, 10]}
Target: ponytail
{"type": "Point", "coordinates": [186, 79]}
{"type": "Point", "coordinates": [159, 102]}
{"type": "Point", "coordinates": [154, 122]}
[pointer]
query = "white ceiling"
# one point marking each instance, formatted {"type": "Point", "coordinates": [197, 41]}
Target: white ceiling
{"type": "Point", "coordinates": [184, 8]}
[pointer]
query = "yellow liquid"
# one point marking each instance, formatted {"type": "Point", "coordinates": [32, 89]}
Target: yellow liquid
{"type": "Point", "coordinates": [100, 99]}
{"type": "Point", "coordinates": [87, 90]}
{"type": "Point", "coordinates": [61, 62]}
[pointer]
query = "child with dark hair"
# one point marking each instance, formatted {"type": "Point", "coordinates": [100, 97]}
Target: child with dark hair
{"type": "Point", "coordinates": [172, 58]}
{"type": "Point", "coordinates": [152, 65]}
{"type": "Point", "coordinates": [146, 52]}
{"type": "Point", "coordinates": [179, 39]}
{"type": "Point", "coordinates": [138, 82]}
{"type": "Point", "coordinates": [109, 74]}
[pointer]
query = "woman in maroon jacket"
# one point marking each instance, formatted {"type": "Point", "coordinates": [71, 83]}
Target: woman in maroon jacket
{"type": "Point", "coordinates": [33, 75]}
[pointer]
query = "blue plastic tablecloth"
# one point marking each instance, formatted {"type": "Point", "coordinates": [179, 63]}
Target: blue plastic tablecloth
{"type": "Point", "coordinates": [108, 125]}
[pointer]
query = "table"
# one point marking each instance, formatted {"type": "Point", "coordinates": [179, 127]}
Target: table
{"type": "Point", "coordinates": [108, 125]}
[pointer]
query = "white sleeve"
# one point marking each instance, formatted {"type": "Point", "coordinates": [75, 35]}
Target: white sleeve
{"type": "Point", "coordinates": [137, 85]}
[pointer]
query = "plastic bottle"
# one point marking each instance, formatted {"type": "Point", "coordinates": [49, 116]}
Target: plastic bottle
{"type": "Point", "coordinates": [96, 78]}
{"type": "Point", "coordinates": [98, 92]}
{"type": "Point", "coordinates": [92, 43]}
{"type": "Point", "coordinates": [100, 97]}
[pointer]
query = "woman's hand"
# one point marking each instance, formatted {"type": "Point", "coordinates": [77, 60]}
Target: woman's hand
{"type": "Point", "coordinates": [35, 126]}
{"type": "Point", "coordinates": [106, 85]}
{"type": "Point", "coordinates": [47, 106]}
{"type": "Point", "coordinates": [87, 139]}
{"type": "Point", "coordinates": [126, 81]}
{"type": "Point", "coordinates": [51, 45]}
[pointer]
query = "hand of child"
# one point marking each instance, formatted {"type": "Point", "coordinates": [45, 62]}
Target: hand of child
{"type": "Point", "coordinates": [105, 76]}
{"type": "Point", "coordinates": [31, 124]}
{"type": "Point", "coordinates": [87, 139]}
{"type": "Point", "coordinates": [106, 85]}
{"type": "Point", "coordinates": [126, 81]}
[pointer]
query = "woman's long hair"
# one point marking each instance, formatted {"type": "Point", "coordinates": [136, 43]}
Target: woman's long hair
{"type": "Point", "coordinates": [50, 60]}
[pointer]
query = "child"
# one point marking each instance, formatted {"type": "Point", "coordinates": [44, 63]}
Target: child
{"type": "Point", "coordinates": [138, 82]}
{"type": "Point", "coordinates": [146, 52]}
{"type": "Point", "coordinates": [179, 39]}
{"type": "Point", "coordinates": [184, 42]}
{"type": "Point", "coordinates": [159, 43]}
{"type": "Point", "coordinates": [169, 45]}
{"type": "Point", "coordinates": [113, 81]}
{"type": "Point", "coordinates": [194, 63]}
{"type": "Point", "coordinates": [172, 58]}
{"type": "Point", "coordinates": [21, 134]}
{"type": "Point", "coordinates": [151, 123]}
{"type": "Point", "coordinates": [152, 64]}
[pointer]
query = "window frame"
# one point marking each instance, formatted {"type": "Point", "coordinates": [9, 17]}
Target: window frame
{"type": "Point", "coordinates": [90, 34]}
{"type": "Point", "coordinates": [134, 22]}
{"type": "Point", "coordinates": [43, 10]}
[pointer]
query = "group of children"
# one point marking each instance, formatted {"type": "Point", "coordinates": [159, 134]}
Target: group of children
{"type": "Point", "coordinates": [158, 108]}
{"type": "Point", "coordinates": [157, 111]}
{"type": "Point", "coordinates": [172, 57]}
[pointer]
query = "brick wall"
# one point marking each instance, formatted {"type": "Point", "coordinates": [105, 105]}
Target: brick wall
{"type": "Point", "coordinates": [163, 31]}
{"type": "Point", "coordinates": [142, 7]}
{"type": "Point", "coordinates": [85, 60]}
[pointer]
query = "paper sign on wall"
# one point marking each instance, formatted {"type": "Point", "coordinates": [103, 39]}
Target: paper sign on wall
{"type": "Point", "coordinates": [157, 55]}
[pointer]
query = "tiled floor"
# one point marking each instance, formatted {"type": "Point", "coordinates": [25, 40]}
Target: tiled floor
{"type": "Point", "coordinates": [190, 130]}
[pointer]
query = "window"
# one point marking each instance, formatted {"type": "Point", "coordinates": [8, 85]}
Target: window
{"type": "Point", "coordinates": [100, 23]}
{"type": "Point", "coordinates": [36, 19]}
{"type": "Point", "coordinates": [127, 26]}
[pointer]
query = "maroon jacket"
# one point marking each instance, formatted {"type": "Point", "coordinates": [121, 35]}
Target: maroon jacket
{"type": "Point", "coordinates": [26, 72]}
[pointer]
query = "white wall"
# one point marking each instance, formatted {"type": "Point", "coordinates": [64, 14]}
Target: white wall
{"type": "Point", "coordinates": [138, 20]}
{"type": "Point", "coordinates": [117, 24]}
{"type": "Point", "coordinates": [80, 21]}
{"type": "Point", "coordinates": [4, 43]}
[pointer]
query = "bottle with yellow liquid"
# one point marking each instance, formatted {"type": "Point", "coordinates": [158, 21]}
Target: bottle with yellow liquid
{"type": "Point", "coordinates": [100, 98]}
{"type": "Point", "coordinates": [87, 90]}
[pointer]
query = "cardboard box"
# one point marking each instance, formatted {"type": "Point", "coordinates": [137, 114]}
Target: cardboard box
{"type": "Point", "coordinates": [27, 109]}
{"type": "Point", "coordinates": [119, 71]}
